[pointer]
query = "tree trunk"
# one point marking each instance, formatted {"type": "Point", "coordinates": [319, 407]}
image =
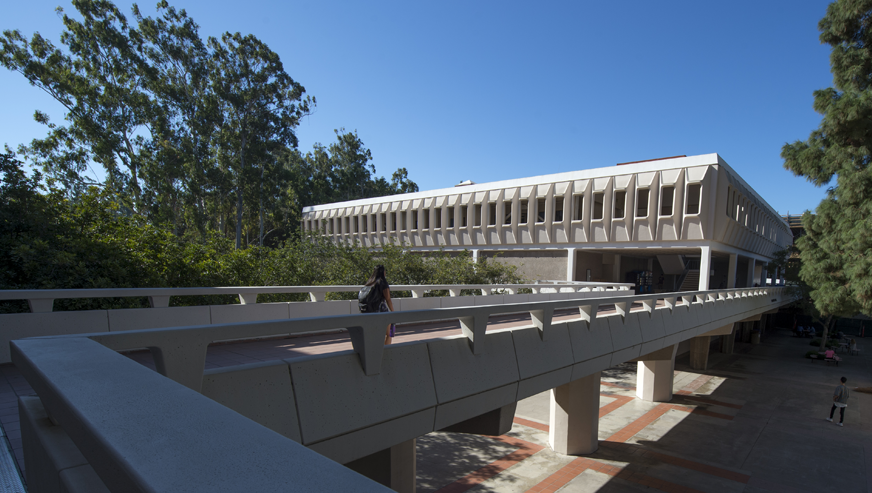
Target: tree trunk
{"type": "Point", "coordinates": [825, 332]}
{"type": "Point", "coordinates": [239, 176]}
{"type": "Point", "coordinates": [260, 197]}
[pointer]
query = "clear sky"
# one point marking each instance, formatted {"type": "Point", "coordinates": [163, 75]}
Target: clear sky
{"type": "Point", "coordinates": [492, 90]}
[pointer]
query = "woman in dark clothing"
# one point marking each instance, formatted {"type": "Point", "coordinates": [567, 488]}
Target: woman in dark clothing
{"type": "Point", "coordinates": [377, 279]}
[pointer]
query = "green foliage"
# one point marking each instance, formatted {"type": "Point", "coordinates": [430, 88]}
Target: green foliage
{"type": "Point", "coordinates": [835, 252]}
{"type": "Point", "coordinates": [48, 241]}
{"type": "Point", "coordinates": [193, 135]}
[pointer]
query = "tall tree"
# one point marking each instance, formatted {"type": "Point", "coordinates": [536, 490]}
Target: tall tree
{"type": "Point", "coordinates": [262, 105]}
{"type": "Point", "coordinates": [836, 251]}
{"type": "Point", "coordinates": [99, 81]}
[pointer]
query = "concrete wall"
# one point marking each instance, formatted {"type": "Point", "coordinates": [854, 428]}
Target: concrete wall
{"type": "Point", "coordinates": [535, 265]}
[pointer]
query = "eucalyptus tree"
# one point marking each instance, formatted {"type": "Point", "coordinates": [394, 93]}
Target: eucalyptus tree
{"type": "Point", "coordinates": [260, 105]}
{"type": "Point", "coordinates": [99, 81]}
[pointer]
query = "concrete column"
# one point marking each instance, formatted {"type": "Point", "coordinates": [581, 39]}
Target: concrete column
{"type": "Point", "coordinates": [699, 351]}
{"type": "Point", "coordinates": [654, 376]}
{"type": "Point", "coordinates": [570, 264]}
{"type": "Point", "coordinates": [728, 342]}
{"type": "Point", "coordinates": [393, 467]}
{"type": "Point", "coordinates": [475, 256]}
{"type": "Point", "coordinates": [616, 269]}
{"type": "Point", "coordinates": [750, 275]}
{"type": "Point", "coordinates": [574, 421]}
{"type": "Point", "coordinates": [403, 467]}
{"type": "Point", "coordinates": [705, 268]}
{"type": "Point", "coordinates": [731, 271]}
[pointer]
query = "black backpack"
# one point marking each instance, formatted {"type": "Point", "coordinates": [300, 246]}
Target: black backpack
{"type": "Point", "coordinates": [368, 299]}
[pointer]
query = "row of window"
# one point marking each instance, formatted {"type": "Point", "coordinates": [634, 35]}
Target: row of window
{"type": "Point", "coordinates": [397, 221]}
{"type": "Point", "coordinates": [748, 215]}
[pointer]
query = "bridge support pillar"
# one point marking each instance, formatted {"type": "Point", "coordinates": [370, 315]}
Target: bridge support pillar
{"type": "Point", "coordinates": [699, 351]}
{"type": "Point", "coordinates": [655, 374]}
{"type": "Point", "coordinates": [574, 422]}
{"type": "Point", "coordinates": [728, 342]}
{"type": "Point", "coordinates": [393, 467]}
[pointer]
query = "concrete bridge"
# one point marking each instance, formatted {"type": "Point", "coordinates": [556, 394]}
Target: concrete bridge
{"type": "Point", "coordinates": [103, 421]}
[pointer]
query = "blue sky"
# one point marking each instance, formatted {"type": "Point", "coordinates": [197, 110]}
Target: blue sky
{"type": "Point", "coordinates": [488, 90]}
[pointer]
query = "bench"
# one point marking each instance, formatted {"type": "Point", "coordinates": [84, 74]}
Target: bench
{"type": "Point", "coordinates": [834, 359]}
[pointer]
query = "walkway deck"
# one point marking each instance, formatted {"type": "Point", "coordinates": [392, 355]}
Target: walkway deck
{"type": "Point", "coordinates": [753, 422]}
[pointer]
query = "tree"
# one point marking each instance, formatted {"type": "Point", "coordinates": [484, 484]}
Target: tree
{"type": "Point", "coordinates": [99, 82]}
{"type": "Point", "coordinates": [836, 251]}
{"type": "Point", "coordinates": [262, 105]}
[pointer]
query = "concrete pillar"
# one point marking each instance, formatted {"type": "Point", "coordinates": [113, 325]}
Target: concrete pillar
{"type": "Point", "coordinates": [393, 467]}
{"type": "Point", "coordinates": [475, 256]}
{"type": "Point", "coordinates": [616, 269]}
{"type": "Point", "coordinates": [654, 376]}
{"type": "Point", "coordinates": [404, 469]}
{"type": "Point", "coordinates": [728, 342]}
{"type": "Point", "coordinates": [570, 264]}
{"type": "Point", "coordinates": [574, 423]}
{"type": "Point", "coordinates": [705, 268]}
{"type": "Point", "coordinates": [731, 271]}
{"type": "Point", "coordinates": [699, 351]}
{"type": "Point", "coordinates": [750, 276]}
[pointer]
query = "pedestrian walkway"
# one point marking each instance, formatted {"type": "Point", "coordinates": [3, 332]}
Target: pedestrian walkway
{"type": "Point", "coordinates": [753, 422]}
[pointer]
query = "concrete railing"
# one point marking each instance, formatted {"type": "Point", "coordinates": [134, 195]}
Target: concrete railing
{"type": "Point", "coordinates": [344, 405]}
{"type": "Point", "coordinates": [42, 300]}
{"type": "Point", "coordinates": [44, 322]}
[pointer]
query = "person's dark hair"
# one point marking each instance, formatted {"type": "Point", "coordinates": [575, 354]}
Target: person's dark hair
{"type": "Point", "coordinates": [844, 379]}
{"type": "Point", "coordinates": [377, 273]}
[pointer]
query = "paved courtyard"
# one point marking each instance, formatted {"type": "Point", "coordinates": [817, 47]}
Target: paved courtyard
{"type": "Point", "coordinates": [753, 422]}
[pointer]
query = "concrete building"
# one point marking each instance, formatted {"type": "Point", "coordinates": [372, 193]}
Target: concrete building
{"type": "Point", "coordinates": [672, 218]}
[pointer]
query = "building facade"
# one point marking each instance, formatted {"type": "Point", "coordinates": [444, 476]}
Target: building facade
{"type": "Point", "coordinates": [670, 221]}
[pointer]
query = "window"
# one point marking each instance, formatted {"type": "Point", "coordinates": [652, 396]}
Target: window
{"type": "Point", "coordinates": [728, 201]}
{"type": "Point", "coordinates": [642, 202]}
{"type": "Point", "coordinates": [477, 219]}
{"type": "Point", "coordinates": [413, 219]}
{"type": "Point", "coordinates": [384, 222]}
{"type": "Point", "coordinates": [364, 226]}
{"type": "Point", "coordinates": [393, 222]}
{"type": "Point", "coordinates": [492, 214]}
{"type": "Point", "coordinates": [667, 194]}
{"type": "Point", "coordinates": [401, 220]}
{"type": "Point", "coordinates": [507, 212]}
{"type": "Point", "coordinates": [620, 203]}
{"type": "Point", "coordinates": [346, 225]}
{"type": "Point", "coordinates": [598, 205]}
{"type": "Point", "coordinates": [558, 209]}
{"type": "Point", "coordinates": [577, 202]}
{"type": "Point", "coordinates": [355, 221]}
{"type": "Point", "coordinates": [524, 211]}
{"type": "Point", "coordinates": [692, 200]}
{"type": "Point", "coordinates": [464, 216]}
{"type": "Point", "coordinates": [437, 217]}
{"type": "Point", "coordinates": [426, 218]}
{"type": "Point", "coordinates": [540, 210]}
{"type": "Point", "coordinates": [451, 217]}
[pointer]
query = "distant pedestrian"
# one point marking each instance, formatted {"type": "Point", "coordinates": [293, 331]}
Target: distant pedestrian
{"type": "Point", "coordinates": [380, 285]}
{"type": "Point", "coordinates": [840, 400]}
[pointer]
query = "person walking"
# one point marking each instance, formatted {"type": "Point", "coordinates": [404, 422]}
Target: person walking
{"type": "Point", "coordinates": [840, 400]}
{"type": "Point", "coordinates": [380, 285]}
